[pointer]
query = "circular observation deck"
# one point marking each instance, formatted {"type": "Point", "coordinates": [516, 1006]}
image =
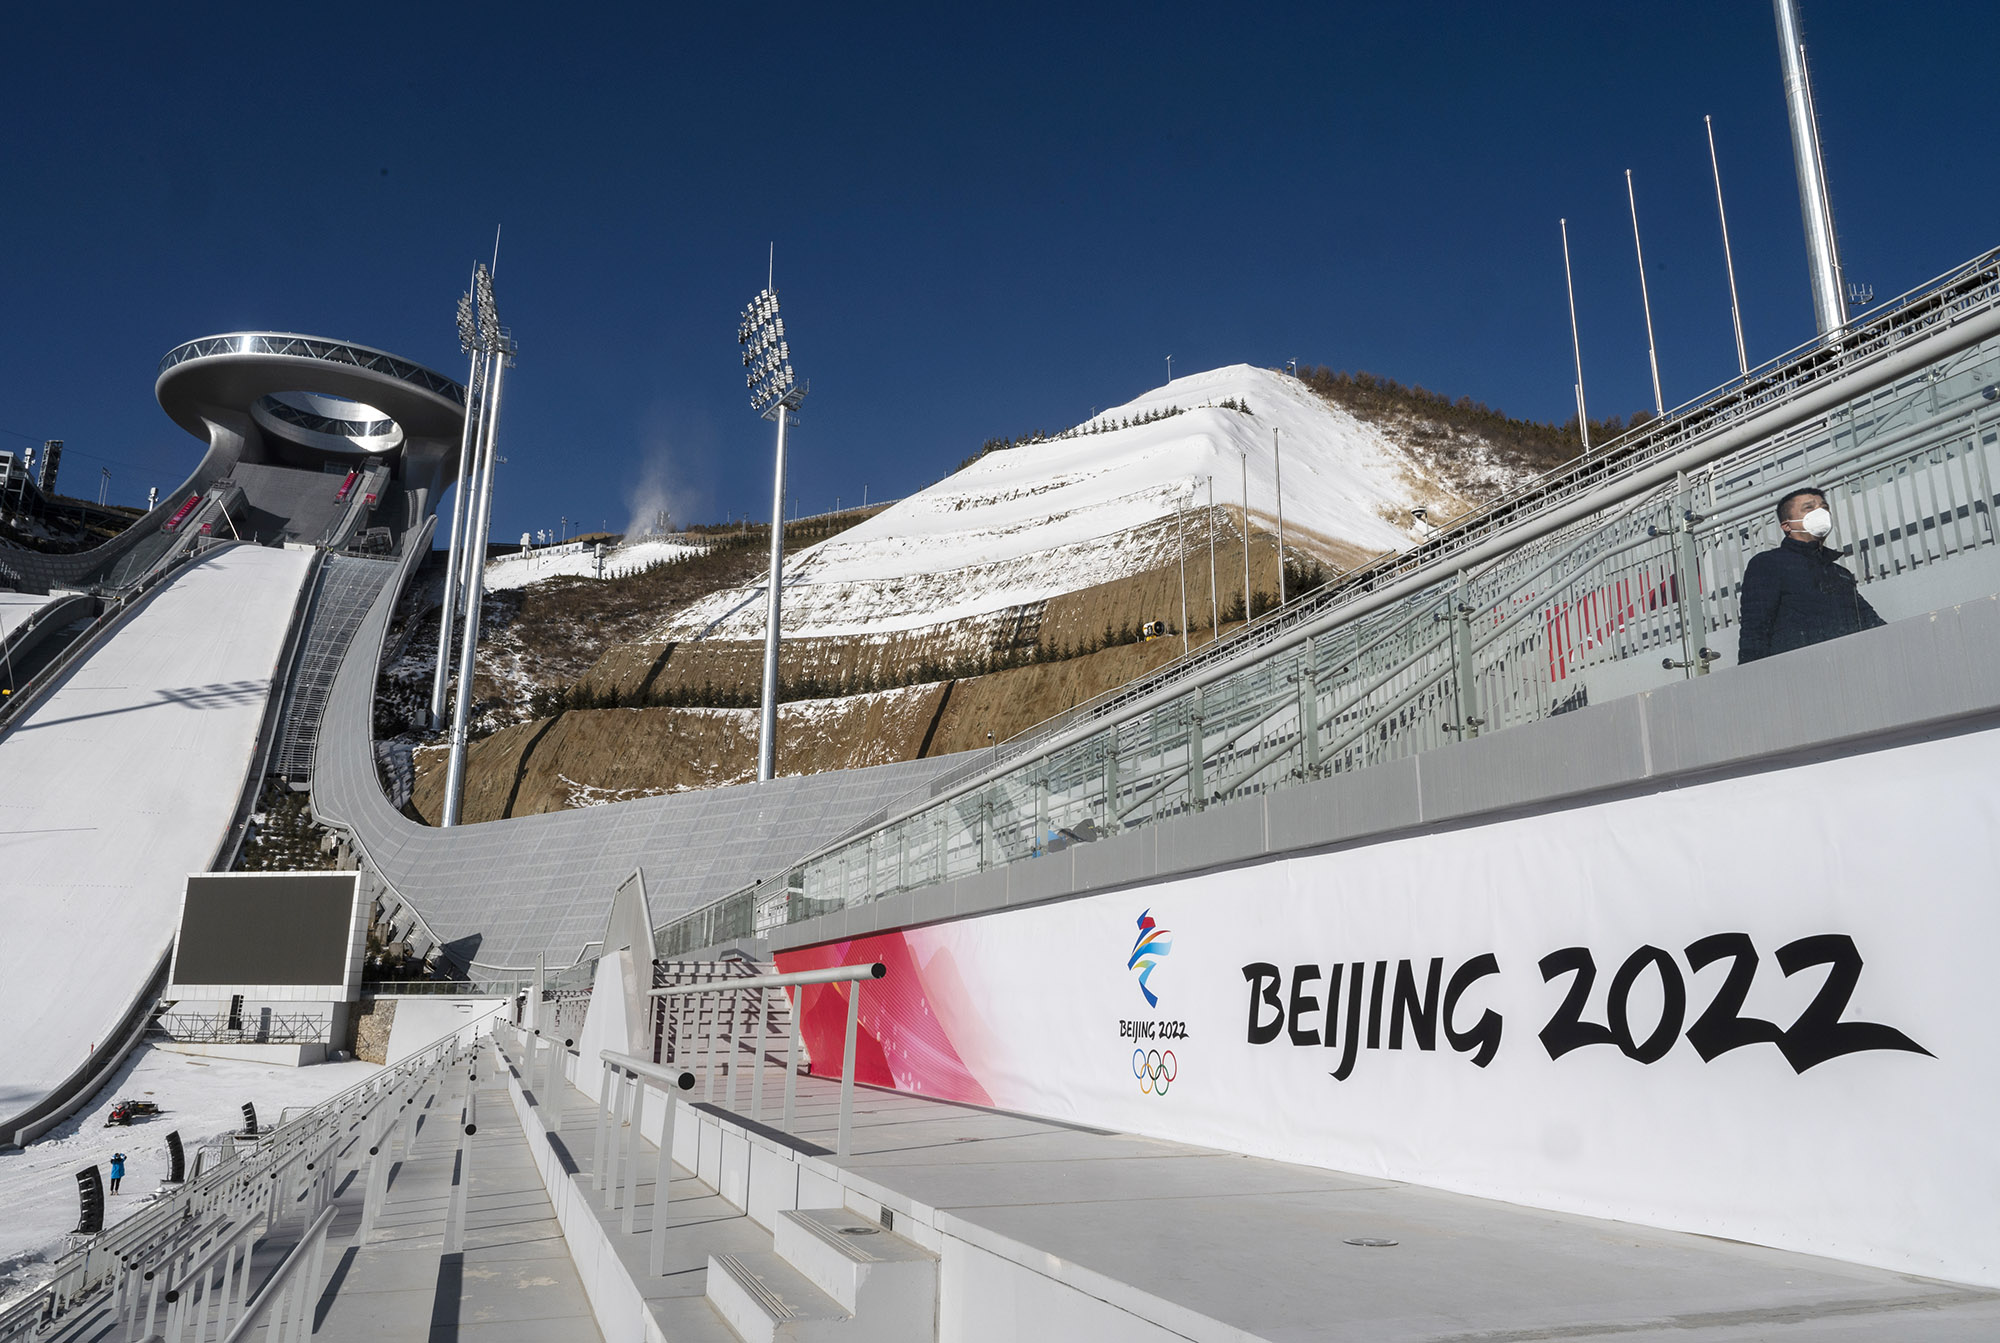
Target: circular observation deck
{"type": "Point", "coordinates": [311, 399]}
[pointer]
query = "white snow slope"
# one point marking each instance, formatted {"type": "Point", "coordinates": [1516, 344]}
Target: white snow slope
{"type": "Point", "coordinates": [1026, 523]}
{"type": "Point", "coordinates": [115, 788]}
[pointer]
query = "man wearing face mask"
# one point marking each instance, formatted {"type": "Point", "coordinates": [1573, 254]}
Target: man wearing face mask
{"type": "Point", "coordinates": [1799, 594]}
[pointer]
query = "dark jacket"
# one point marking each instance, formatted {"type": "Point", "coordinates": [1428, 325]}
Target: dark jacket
{"type": "Point", "coordinates": [1796, 595]}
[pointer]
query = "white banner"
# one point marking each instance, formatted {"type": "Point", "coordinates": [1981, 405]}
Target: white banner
{"type": "Point", "coordinates": [1761, 1008]}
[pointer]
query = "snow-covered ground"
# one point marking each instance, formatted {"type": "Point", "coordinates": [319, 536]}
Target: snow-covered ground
{"type": "Point", "coordinates": [201, 1098]}
{"type": "Point", "coordinates": [1026, 523]}
{"type": "Point", "coordinates": [577, 559]}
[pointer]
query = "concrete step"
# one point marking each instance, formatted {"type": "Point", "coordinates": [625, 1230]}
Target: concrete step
{"type": "Point", "coordinates": [766, 1300]}
{"type": "Point", "coordinates": [690, 1319]}
{"type": "Point", "coordinates": [890, 1284]}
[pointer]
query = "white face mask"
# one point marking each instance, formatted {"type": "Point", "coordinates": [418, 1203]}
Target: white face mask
{"type": "Point", "coordinates": [1818, 524]}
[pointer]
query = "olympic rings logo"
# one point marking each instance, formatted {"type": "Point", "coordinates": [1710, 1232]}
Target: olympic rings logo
{"type": "Point", "coordinates": [1154, 1069]}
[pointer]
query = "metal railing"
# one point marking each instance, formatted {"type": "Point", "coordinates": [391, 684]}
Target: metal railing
{"type": "Point", "coordinates": [310, 347]}
{"type": "Point", "coordinates": [1618, 589]}
{"type": "Point", "coordinates": [621, 1104]}
{"type": "Point", "coordinates": [215, 1028]}
{"type": "Point", "coordinates": [285, 1306]}
{"type": "Point", "coordinates": [856, 975]}
{"type": "Point", "coordinates": [127, 1271]}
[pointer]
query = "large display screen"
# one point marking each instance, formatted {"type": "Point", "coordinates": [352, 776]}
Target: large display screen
{"type": "Point", "coordinates": [266, 928]}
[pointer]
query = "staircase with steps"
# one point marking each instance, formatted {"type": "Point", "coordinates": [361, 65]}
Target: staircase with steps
{"type": "Point", "coordinates": [831, 1273]}
{"type": "Point", "coordinates": [347, 588]}
{"type": "Point", "coordinates": [734, 1267]}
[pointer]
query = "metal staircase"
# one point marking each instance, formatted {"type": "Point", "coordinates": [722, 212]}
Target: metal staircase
{"type": "Point", "coordinates": [348, 586]}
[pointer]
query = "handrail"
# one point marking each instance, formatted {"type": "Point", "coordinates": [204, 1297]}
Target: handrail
{"type": "Point", "coordinates": [673, 1079]}
{"type": "Point", "coordinates": [841, 974]}
{"type": "Point", "coordinates": [276, 1291]}
{"type": "Point", "coordinates": [293, 345]}
{"type": "Point", "coordinates": [856, 975]}
{"type": "Point", "coordinates": [623, 1146]}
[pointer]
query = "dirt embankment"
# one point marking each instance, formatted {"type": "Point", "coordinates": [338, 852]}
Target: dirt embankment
{"type": "Point", "coordinates": [1093, 617]}
{"type": "Point", "coordinates": [586, 756]}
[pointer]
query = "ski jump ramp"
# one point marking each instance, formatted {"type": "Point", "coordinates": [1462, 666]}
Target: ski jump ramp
{"type": "Point", "coordinates": [122, 781]}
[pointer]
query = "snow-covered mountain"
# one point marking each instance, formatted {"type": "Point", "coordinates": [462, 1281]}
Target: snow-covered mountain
{"type": "Point", "coordinates": [1098, 503]}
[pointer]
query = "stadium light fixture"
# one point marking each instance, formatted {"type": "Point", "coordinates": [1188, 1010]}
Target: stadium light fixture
{"type": "Point", "coordinates": [775, 392]}
{"type": "Point", "coordinates": [497, 346]}
{"type": "Point", "coordinates": [454, 565]}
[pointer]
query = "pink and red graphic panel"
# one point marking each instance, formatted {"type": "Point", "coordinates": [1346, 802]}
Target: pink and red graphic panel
{"type": "Point", "coordinates": [915, 1023]}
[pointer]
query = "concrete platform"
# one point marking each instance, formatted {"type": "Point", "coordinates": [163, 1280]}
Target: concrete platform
{"type": "Point", "coordinates": [1057, 1232]}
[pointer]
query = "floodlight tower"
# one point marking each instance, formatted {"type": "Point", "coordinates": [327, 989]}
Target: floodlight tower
{"type": "Point", "coordinates": [774, 394]}
{"type": "Point", "coordinates": [475, 382]}
{"type": "Point", "coordinates": [1822, 248]}
{"type": "Point", "coordinates": [498, 348]}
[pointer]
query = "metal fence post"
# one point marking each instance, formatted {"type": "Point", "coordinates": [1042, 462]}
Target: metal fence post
{"type": "Point", "coordinates": [1309, 715]}
{"type": "Point", "coordinates": [454, 1234]}
{"type": "Point", "coordinates": [847, 1070]}
{"type": "Point", "coordinates": [1111, 781]}
{"type": "Point", "coordinates": [377, 1187]}
{"type": "Point", "coordinates": [632, 1137]}
{"type": "Point", "coordinates": [604, 1103]}
{"type": "Point", "coordinates": [735, 1046]}
{"type": "Point", "coordinates": [663, 1178]}
{"type": "Point", "coordinates": [796, 1007]}
{"type": "Point", "coordinates": [757, 1058]}
{"type": "Point", "coordinates": [558, 1083]}
{"type": "Point", "coordinates": [622, 1105]}
{"type": "Point", "coordinates": [1469, 721]}
{"type": "Point", "coordinates": [1687, 584]}
{"type": "Point", "coordinates": [1196, 748]}
{"type": "Point", "coordinates": [713, 1005]}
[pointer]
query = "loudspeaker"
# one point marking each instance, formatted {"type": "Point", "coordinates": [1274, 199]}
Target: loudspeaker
{"type": "Point", "coordinates": [176, 1159]}
{"type": "Point", "coordinates": [90, 1194]}
{"type": "Point", "coordinates": [249, 1120]}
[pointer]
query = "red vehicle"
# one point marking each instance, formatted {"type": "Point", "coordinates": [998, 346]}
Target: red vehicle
{"type": "Point", "coordinates": [346, 485]}
{"type": "Point", "coordinates": [125, 1111]}
{"type": "Point", "coordinates": [371, 501]}
{"type": "Point", "coordinates": [180, 514]}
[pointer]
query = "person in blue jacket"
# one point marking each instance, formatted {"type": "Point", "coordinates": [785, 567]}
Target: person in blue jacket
{"type": "Point", "coordinates": [117, 1170]}
{"type": "Point", "coordinates": [1799, 594]}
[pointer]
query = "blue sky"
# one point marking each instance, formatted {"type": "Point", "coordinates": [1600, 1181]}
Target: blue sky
{"type": "Point", "coordinates": [988, 220]}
